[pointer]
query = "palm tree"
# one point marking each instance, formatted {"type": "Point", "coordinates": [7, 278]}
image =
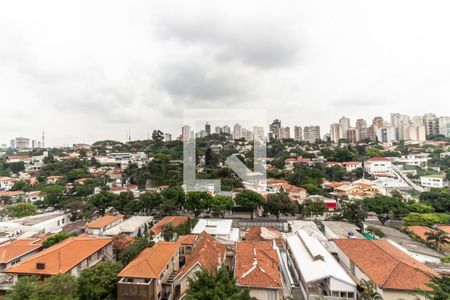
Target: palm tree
{"type": "Point", "coordinates": [437, 238]}
{"type": "Point", "coordinates": [369, 291]}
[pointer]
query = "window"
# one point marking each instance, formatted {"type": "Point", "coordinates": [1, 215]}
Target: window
{"type": "Point", "coordinates": [350, 295]}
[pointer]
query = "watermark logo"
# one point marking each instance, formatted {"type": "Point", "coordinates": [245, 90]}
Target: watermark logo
{"type": "Point", "coordinates": [242, 124]}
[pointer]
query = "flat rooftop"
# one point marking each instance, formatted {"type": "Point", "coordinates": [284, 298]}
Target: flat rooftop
{"type": "Point", "coordinates": [37, 219]}
{"type": "Point", "coordinates": [129, 225]}
{"type": "Point", "coordinates": [342, 229]}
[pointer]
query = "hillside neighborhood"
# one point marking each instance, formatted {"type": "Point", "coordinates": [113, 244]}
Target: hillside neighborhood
{"type": "Point", "coordinates": [334, 220]}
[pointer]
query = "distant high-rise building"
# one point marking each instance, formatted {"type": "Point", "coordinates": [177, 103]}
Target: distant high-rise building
{"type": "Point", "coordinates": [207, 128]}
{"type": "Point", "coordinates": [417, 133]}
{"type": "Point", "coordinates": [167, 137]}
{"type": "Point", "coordinates": [237, 131]}
{"type": "Point", "coordinates": [298, 134]}
{"type": "Point", "coordinates": [226, 129]}
{"type": "Point", "coordinates": [378, 122]}
{"type": "Point", "coordinates": [361, 126]}
{"type": "Point", "coordinates": [345, 125]}
{"type": "Point", "coordinates": [372, 133]}
{"type": "Point", "coordinates": [185, 133]}
{"type": "Point", "coordinates": [21, 143]}
{"type": "Point", "coordinates": [385, 135]}
{"type": "Point", "coordinates": [218, 129]}
{"type": "Point", "coordinates": [311, 134]}
{"type": "Point", "coordinates": [12, 144]}
{"type": "Point", "coordinates": [336, 132]}
{"type": "Point", "coordinates": [285, 133]}
{"type": "Point", "coordinates": [246, 134]}
{"type": "Point", "coordinates": [258, 133]}
{"type": "Point", "coordinates": [400, 123]}
{"type": "Point", "coordinates": [432, 124]}
{"type": "Point", "coordinates": [352, 135]}
{"type": "Point", "coordinates": [275, 128]}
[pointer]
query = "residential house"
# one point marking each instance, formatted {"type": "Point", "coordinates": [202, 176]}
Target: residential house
{"type": "Point", "coordinates": [317, 271]}
{"type": "Point", "coordinates": [395, 274]}
{"type": "Point", "coordinates": [174, 221]}
{"type": "Point", "coordinates": [254, 234]}
{"type": "Point", "coordinates": [341, 230]}
{"type": "Point", "coordinates": [6, 183]}
{"type": "Point", "coordinates": [350, 166]}
{"type": "Point", "coordinates": [100, 225]}
{"type": "Point", "coordinates": [45, 223]}
{"type": "Point", "coordinates": [12, 196]}
{"type": "Point", "coordinates": [379, 166]}
{"type": "Point", "coordinates": [438, 181]}
{"type": "Point", "coordinates": [150, 276]}
{"type": "Point", "coordinates": [131, 226]}
{"type": "Point", "coordinates": [257, 267]}
{"type": "Point", "coordinates": [12, 253]}
{"type": "Point", "coordinates": [53, 179]}
{"type": "Point", "coordinates": [70, 256]}
{"type": "Point", "coordinates": [207, 254]}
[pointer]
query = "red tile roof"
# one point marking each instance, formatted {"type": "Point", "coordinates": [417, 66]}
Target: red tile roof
{"type": "Point", "coordinates": [61, 257]}
{"type": "Point", "coordinates": [257, 265]}
{"type": "Point", "coordinates": [419, 231]}
{"type": "Point", "coordinates": [386, 265]}
{"type": "Point", "coordinates": [174, 220]}
{"type": "Point", "coordinates": [104, 221]}
{"type": "Point", "coordinates": [18, 248]}
{"type": "Point", "coordinates": [378, 159]}
{"type": "Point", "coordinates": [208, 253]}
{"type": "Point", "coordinates": [151, 262]}
{"type": "Point", "coordinates": [188, 239]}
{"type": "Point", "coordinates": [445, 228]}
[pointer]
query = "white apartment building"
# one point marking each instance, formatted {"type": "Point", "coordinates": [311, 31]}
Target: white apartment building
{"type": "Point", "coordinates": [434, 181]}
{"type": "Point", "coordinates": [378, 166]}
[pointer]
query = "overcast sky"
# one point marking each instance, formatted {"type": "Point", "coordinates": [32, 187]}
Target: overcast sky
{"type": "Point", "coordinates": [90, 70]}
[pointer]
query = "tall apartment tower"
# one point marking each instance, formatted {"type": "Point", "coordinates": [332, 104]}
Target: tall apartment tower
{"type": "Point", "coordinates": [311, 134]}
{"type": "Point", "coordinates": [345, 125]}
{"type": "Point", "coordinates": [336, 132]}
{"type": "Point", "coordinates": [237, 131]}
{"type": "Point", "coordinates": [207, 128]}
{"type": "Point", "coordinates": [361, 126]}
{"type": "Point", "coordinates": [298, 136]}
{"type": "Point", "coordinates": [185, 133]}
{"type": "Point", "coordinates": [275, 128]}
{"type": "Point", "coordinates": [378, 122]}
{"type": "Point", "coordinates": [285, 133]}
{"type": "Point", "coordinates": [352, 135]}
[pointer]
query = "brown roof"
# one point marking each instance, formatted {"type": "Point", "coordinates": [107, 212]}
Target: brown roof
{"type": "Point", "coordinates": [420, 231]}
{"type": "Point", "coordinates": [11, 193]}
{"type": "Point", "coordinates": [103, 221]}
{"type": "Point", "coordinates": [256, 234]}
{"type": "Point", "coordinates": [174, 220]}
{"type": "Point", "coordinates": [386, 265]}
{"type": "Point", "coordinates": [257, 265]}
{"type": "Point", "coordinates": [18, 248]}
{"type": "Point", "coordinates": [445, 228]}
{"type": "Point", "coordinates": [208, 253]}
{"type": "Point", "coordinates": [151, 262]}
{"type": "Point", "coordinates": [188, 239]}
{"type": "Point", "coordinates": [61, 257]}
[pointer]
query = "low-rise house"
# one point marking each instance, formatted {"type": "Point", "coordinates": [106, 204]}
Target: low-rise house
{"type": "Point", "coordinates": [174, 221]}
{"type": "Point", "coordinates": [221, 229]}
{"type": "Point", "coordinates": [341, 230]}
{"type": "Point", "coordinates": [123, 189]}
{"type": "Point", "coordinates": [34, 196]}
{"type": "Point", "coordinates": [151, 274]}
{"type": "Point", "coordinates": [319, 274]}
{"type": "Point", "coordinates": [70, 256]}
{"type": "Point", "coordinates": [257, 268]}
{"type": "Point", "coordinates": [379, 166]}
{"type": "Point", "coordinates": [54, 179]}
{"type": "Point", "coordinates": [14, 159]}
{"type": "Point", "coordinates": [100, 225]}
{"type": "Point", "coordinates": [207, 254]}
{"type": "Point", "coordinates": [45, 223]}
{"type": "Point", "coordinates": [131, 226]}
{"type": "Point", "coordinates": [438, 181]}
{"type": "Point", "coordinates": [12, 253]}
{"type": "Point", "coordinates": [330, 203]}
{"type": "Point", "coordinates": [395, 274]}
{"type": "Point", "coordinates": [312, 230]}
{"type": "Point", "coordinates": [350, 166]}
{"type": "Point", "coordinates": [12, 196]}
{"type": "Point", "coordinates": [255, 234]}
{"type": "Point", "coordinates": [6, 183]}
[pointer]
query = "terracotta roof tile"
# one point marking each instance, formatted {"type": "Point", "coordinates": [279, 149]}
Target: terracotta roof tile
{"type": "Point", "coordinates": [257, 265]}
{"type": "Point", "coordinates": [174, 220]}
{"type": "Point", "coordinates": [188, 239]}
{"type": "Point", "coordinates": [18, 248]}
{"type": "Point", "coordinates": [104, 221]}
{"type": "Point", "coordinates": [386, 265]}
{"type": "Point", "coordinates": [151, 262]}
{"type": "Point", "coordinates": [61, 257]}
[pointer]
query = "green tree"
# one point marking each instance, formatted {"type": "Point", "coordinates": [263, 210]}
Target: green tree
{"type": "Point", "coordinates": [20, 210]}
{"type": "Point", "coordinates": [440, 288]}
{"type": "Point", "coordinates": [168, 232]}
{"type": "Point", "coordinates": [158, 137]}
{"type": "Point", "coordinates": [131, 251]}
{"type": "Point", "coordinates": [23, 289]}
{"type": "Point", "coordinates": [103, 200]}
{"type": "Point", "coordinates": [53, 194]}
{"type": "Point", "coordinates": [314, 207]}
{"type": "Point", "coordinates": [56, 238]}
{"type": "Point", "coordinates": [206, 286]}
{"type": "Point", "coordinates": [220, 204]}
{"type": "Point", "coordinates": [279, 203]}
{"type": "Point", "coordinates": [369, 291]}
{"type": "Point", "coordinates": [385, 207]}
{"type": "Point", "coordinates": [150, 201]}
{"type": "Point", "coordinates": [99, 282]}
{"type": "Point", "coordinates": [250, 200]}
{"type": "Point", "coordinates": [174, 193]}
{"type": "Point", "coordinates": [354, 212]}
{"type": "Point", "coordinates": [79, 209]}
{"type": "Point", "coordinates": [197, 202]}
{"type": "Point", "coordinates": [438, 239]}
{"type": "Point", "coordinates": [375, 232]}
{"type": "Point", "coordinates": [58, 287]}
{"type": "Point", "coordinates": [438, 198]}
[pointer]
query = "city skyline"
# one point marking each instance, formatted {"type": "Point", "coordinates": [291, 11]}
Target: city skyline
{"type": "Point", "coordinates": [305, 62]}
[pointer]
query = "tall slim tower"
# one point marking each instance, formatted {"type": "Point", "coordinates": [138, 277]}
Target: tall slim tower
{"type": "Point", "coordinates": [43, 139]}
